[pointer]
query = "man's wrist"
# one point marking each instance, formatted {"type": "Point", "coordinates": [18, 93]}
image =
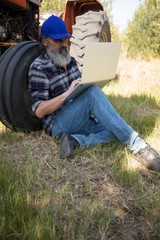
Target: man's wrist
{"type": "Point", "coordinates": [64, 95]}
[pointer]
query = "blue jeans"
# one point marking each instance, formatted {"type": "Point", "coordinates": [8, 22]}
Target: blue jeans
{"type": "Point", "coordinates": [106, 125]}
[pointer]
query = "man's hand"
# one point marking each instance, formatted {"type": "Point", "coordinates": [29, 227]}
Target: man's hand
{"type": "Point", "coordinates": [72, 86]}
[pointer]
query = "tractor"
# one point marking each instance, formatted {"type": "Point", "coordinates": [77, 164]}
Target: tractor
{"type": "Point", "coordinates": [19, 46]}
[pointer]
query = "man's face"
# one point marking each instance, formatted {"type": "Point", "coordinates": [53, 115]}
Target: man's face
{"type": "Point", "coordinates": [58, 50]}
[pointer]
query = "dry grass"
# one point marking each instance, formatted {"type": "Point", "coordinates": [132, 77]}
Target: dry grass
{"type": "Point", "coordinates": [141, 76]}
{"type": "Point", "coordinates": [103, 192]}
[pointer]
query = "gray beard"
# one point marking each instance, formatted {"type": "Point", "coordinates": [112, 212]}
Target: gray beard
{"type": "Point", "coordinates": [61, 57]}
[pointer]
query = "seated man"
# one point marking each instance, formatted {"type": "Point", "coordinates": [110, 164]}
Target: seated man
{"type": "Point", "coordinates": [88, 119]}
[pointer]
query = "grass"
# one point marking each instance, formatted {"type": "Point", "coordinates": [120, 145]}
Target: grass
{"type": "Point", "coordinates": [103, 192]}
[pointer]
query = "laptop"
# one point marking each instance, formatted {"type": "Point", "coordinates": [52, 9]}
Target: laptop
{"type": "Point", "coordinates": [99, 66]}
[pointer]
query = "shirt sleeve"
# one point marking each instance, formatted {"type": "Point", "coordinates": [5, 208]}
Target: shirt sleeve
{"type": "Point", "coordinates": [38, 86]}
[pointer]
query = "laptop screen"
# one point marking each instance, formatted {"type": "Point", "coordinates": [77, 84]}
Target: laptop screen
{"type": "Point", "coordinates": [100, 61]}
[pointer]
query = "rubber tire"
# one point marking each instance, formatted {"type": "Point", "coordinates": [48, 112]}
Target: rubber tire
{"type": "Point", "coordinates": [15, 99]}
{"type": "Point", "coordinates": [3, 116]}
{"type": "Point", "coordinates": [82, 33]}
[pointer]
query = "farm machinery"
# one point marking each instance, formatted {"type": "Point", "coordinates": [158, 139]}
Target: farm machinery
{"type": "Point", "coordinates": [19, 46]}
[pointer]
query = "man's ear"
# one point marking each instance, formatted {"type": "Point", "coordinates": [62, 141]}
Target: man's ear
{"type": "Point", "coordinates": [45, 41]}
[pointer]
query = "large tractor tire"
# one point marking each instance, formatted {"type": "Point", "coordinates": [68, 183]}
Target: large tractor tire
{"type": "Point", "coordinates": [15, 100]}
{"type": "Point", "coordinates": [90, 27]}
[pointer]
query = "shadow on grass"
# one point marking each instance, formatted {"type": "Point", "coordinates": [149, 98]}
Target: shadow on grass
{"type": "Point", "coordinates": [95, 195]}
{"type": "Point", "coordinates": [140, 112]}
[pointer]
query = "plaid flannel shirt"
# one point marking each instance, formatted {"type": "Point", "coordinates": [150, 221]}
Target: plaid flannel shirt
{"type": "Point", "coordinates": [46, 81]}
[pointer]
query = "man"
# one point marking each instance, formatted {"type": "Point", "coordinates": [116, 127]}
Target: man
{"type": "Point", "coordinates": [88, 119]}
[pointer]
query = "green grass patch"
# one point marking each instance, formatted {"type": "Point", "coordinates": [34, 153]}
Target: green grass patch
{"type": "Point", "coordinates": [102, 192]}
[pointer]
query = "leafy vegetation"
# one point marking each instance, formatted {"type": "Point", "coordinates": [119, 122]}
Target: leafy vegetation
{"type": "Point", "coordinates": [52, 6]}
{"type": "Point", "coordinates": [143, 33]}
